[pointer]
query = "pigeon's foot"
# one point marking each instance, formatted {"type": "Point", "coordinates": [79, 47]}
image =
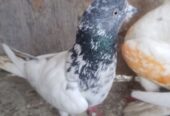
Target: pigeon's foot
{"type": "Point", "coordinates": [93, 111]}
{"type": "Point", "coordinates": [130, 99]}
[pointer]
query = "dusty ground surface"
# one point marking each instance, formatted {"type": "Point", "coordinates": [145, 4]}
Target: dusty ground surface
{"type": "Point", "coordinates": [17, 98]}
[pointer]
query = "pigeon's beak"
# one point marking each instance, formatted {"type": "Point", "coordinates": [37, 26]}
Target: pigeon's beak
{"type": "Point", "coordinates": [130, 11]}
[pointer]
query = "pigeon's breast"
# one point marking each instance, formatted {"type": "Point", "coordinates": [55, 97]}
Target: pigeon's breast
{"type": "Point", "coordinates": [96, 94]}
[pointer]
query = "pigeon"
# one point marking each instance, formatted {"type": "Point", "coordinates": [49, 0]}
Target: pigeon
{"type": "Point", "coordinates": [146, 51]}
{"type": "Point", "coordinates": [80, 78]}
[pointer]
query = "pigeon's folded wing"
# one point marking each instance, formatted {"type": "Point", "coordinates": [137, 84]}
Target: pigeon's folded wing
{"type": "Point", "coordinates": [72, 101]}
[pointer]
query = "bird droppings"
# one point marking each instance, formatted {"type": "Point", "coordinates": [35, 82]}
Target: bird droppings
{"type": "Point", "coordinates": [17, 98]}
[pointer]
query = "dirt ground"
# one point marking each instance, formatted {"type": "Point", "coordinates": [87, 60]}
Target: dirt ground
{"type": "Point", "coordinates": [17, 98]}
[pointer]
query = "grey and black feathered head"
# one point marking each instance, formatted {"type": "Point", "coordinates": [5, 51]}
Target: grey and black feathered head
{"type": "Point", "coordinates": [100, 24]}
{"type": "Point", "coordinates": [105, 16]}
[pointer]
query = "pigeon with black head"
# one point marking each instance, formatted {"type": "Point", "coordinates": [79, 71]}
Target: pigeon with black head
{"type": "Point", "coordinates": [80, 78]}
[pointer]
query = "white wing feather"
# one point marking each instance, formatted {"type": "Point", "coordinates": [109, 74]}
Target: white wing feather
{"type": "Point", "coordinates": [47, 76]}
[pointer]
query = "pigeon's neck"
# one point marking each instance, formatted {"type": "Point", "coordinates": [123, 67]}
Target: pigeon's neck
{"type": "Point", "coordinates": [95, 45]}
{"type": "Point", "coordinates": [91, 55]}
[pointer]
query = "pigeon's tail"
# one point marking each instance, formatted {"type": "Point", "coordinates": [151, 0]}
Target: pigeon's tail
{"type": "Point", "coordinates": [156, 98]}
{"type": "Point", "coordinates": [12, 63]}
{"type": "Point", "coordinates": [7, 65]}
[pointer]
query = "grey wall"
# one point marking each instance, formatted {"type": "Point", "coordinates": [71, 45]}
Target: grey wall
{"type": "Point", "coordinates": [44, 26]}
{"type": "Point", "coordinates": [39, 26]}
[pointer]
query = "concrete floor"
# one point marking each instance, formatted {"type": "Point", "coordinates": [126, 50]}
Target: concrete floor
{"type": "Point", "coordinates": [17, 98]}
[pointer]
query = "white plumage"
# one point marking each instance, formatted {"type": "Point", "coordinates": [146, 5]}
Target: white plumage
{"type": "Point", "coordinates": [146, 50]}
{"type": "Point", "coordinates": [41, 73]}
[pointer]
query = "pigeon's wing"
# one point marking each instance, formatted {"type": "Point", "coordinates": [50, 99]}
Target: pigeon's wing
{"type": "Point", "coordinates": [72, 101]}
{"type": "Point", "coordinates": [145, 109]}
{"type": "Point", "coordinates": [47, 75]}
{"type": "Point", "coordinates": [150, 59]}
{"type": "Point", "coordinates": [57, 90]}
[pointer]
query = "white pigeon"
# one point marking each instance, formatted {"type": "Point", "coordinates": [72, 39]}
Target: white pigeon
{"type": "Point", "coordinates": [146, 51]}
{"type": "Point", "coordinates": [73, 81]}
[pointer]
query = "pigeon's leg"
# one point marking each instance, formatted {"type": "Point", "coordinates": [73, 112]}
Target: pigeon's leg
{"type": "Point", "coordinates": [148, 85]}
{"type": "Point", "coordinates": [93, 111]}
{"type": "Point", "coordinates": [63, 113]}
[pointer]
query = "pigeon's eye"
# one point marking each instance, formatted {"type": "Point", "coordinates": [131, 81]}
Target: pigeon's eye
{"type": "Point", "coordinates": [115, 12]}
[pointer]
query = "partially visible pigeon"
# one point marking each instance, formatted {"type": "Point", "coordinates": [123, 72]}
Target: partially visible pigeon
{"type": "Point", "coordinates": [80, 78]}
{"type": "Point", "coordinates": [146, 51]}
